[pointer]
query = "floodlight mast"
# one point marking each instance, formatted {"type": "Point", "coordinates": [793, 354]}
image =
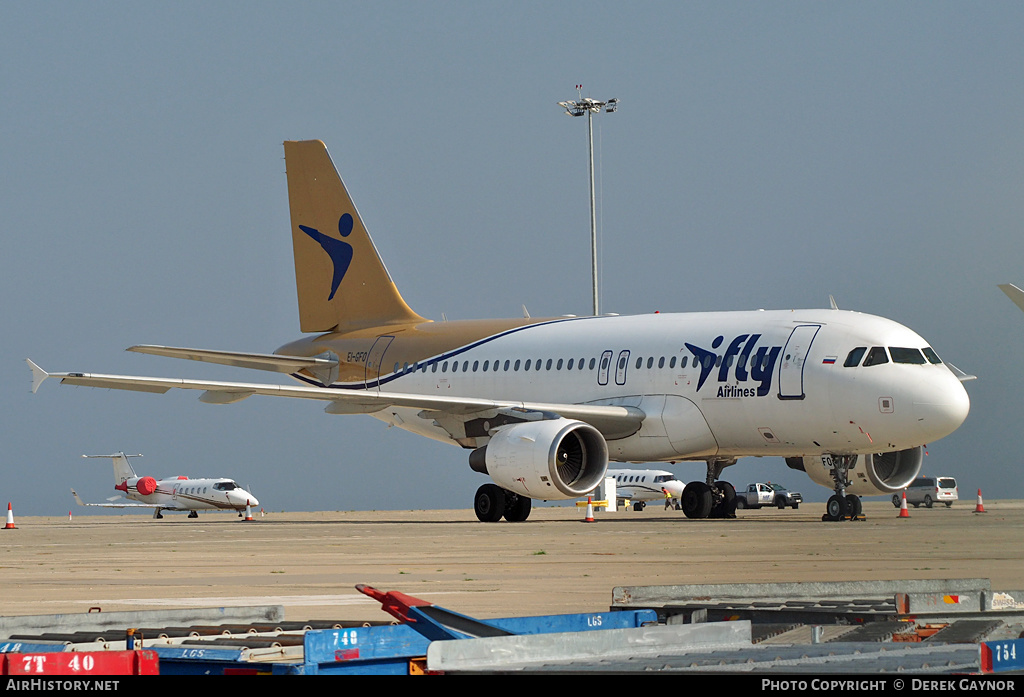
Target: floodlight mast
{"type": "Point", "coordinates": [588, 106]}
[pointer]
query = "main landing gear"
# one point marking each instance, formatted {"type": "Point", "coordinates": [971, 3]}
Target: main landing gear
{"type": "Point", "coordinates": [710, 498]}
{"type": "Point", "coordinates": [842, 506]}
{"type": "Point", "coordinates": [492, 503]}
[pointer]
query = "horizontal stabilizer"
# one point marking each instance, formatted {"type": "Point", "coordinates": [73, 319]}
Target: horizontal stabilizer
{"type": "Point", "coordinates": [1013, 293]}
{"type": "Point", "coordinates": [257, 361]}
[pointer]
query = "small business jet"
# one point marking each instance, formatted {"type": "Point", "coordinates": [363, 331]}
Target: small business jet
{"type": "Point", "coordinates": [174, 494]}
{"type": "Point", "coordinates": [543, 405]}
{"type": "Point", "coordinates": [641, 486]}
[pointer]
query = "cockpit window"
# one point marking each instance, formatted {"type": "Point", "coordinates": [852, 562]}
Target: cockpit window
{"type": "Point", "coordinates": [906, 355]}
{"type": "Point", "coordinates": [854, 356]}
{"type": "Point", "coordinates": [225, 486]}
{"type": "Point", "coordinates": [876, 356]}
{"type": "Point", "coordinates": [930, 354]}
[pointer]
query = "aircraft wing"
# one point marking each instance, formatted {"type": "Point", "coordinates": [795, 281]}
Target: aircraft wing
{"type": "Point", "coordinates": [126, 504]}
{"type": "Point", "coordinates": [1013, 293]}
{"type": "Point", "coordinates": [612, 421]}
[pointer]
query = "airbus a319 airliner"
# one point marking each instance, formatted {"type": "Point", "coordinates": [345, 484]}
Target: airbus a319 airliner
{"type": "Point", "coordinates": [543, 405]}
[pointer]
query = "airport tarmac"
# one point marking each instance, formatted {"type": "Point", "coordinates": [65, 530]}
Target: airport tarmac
{"type": "Point", "coordinates": [553, 563]}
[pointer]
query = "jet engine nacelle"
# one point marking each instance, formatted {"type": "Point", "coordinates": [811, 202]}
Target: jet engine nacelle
{"type": "Point", "coordinates": [145, 485]}
{"type": "Point", "coordinates": [548, 460]}
{"type": "Point", "coordinates": [871, 475]}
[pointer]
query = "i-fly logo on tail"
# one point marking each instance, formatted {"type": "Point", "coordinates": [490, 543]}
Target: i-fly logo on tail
{"type": "Point", "coordinates": [758, 368]}
{"type": "Point", "coordinates": [339, 251]}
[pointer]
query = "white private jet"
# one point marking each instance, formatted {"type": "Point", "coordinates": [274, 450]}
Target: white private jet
{"type": "Point", "coordinates": [544, 404]}
{"type": "Point", "coordinates": [641, 486]}
{"type": "Point", "coordinates": [174, 494]}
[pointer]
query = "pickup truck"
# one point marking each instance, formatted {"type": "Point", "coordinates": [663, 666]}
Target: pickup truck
{"type": "Point", "coordinates": [767, 494]}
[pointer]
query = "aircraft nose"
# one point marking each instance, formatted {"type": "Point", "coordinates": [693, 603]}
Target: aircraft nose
{"type": "Point", "coordinates": [675, 488]}
{"type": "Point", "coordinates": [941, 407]}
{"type": "Point", "coordinates": [239, 497]}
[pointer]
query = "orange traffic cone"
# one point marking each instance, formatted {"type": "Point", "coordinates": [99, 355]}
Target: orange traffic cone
{"type": "Point", "coordinates": [980, 507]}
{"type": "Point", "coordinates": [904, 513]}
{"type": "Point", "coordinates": [248, 510]}
{"type": "Point", "coordinates": [10, 518]}
{"type": "Point", "coordinates": [590, 511]}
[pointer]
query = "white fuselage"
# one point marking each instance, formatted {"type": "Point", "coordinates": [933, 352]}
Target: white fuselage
{"type": "Point", "coordinates": [645, 485]}
{"type": "Point", "coordinates": [712, 385]}
{"type": "Point", "coordinates": [184, 494]}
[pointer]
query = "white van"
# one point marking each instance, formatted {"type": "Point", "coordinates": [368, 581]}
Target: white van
{"type": "Point", "coordinates": [929, 491]}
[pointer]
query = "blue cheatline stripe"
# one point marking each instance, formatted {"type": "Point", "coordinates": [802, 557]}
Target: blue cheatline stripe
{"type": "Point", "coordinates": [442, 357]}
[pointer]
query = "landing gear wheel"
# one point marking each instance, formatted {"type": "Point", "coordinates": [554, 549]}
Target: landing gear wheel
{"type": "Point", "coordinates": [853, 505]}
{"type": "Point", "coordinates": [638, 505]}
{"type": "Point", "coordinates": [697, 500]}
{"type": "Point", "coordinates": [517, 508]}
{"type": "Point", "coordinates": [726, 506]}
{"type": "Point", "coordinates": [896, 500]}
{"type": "Point", "coordinates": [836, 508]}
{"type": "Point", "coordinates": [489, 503]}
{"type": "Point", "coordinates": [193, 514]}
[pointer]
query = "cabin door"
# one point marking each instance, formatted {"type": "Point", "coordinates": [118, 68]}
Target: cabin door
{"type": "Point", "coordinates": [794, 357]}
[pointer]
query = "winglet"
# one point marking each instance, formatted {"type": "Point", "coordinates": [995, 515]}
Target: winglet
{"type": "Point", "coordinates": [78, 499]}
{"type": "Point", "coordinates": [38, 375]}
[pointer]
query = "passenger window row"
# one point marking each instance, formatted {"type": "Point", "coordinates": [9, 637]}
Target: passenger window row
{"type": "Point", "coordinates": [551, 364]}
{"type": "Point", "coordinates": [528, 364]}
{"type": "Point", "coordinates": [495, 366]}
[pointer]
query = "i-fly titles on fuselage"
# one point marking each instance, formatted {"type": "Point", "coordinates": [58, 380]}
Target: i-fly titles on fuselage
{"type": "Point", "coordinates": [544, 404]}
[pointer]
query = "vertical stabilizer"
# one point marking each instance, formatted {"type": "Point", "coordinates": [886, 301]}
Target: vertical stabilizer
{"type": "Point", "coordinates": [342, 282]}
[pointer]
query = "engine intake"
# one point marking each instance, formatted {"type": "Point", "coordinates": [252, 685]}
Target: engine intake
{"type": "Point", "coordinates": [871, 475]}
{"type": "Point", "coordinates": [548, 460]}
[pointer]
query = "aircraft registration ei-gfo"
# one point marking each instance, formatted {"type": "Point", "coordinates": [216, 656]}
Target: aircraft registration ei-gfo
{"type": "Point", "coordinates": [172, 494]}
{"type": "Point", "coordinates": [544, 404]}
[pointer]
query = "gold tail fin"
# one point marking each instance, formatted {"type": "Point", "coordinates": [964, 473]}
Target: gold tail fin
{"type": "Point", "coordinates": [341, 280]}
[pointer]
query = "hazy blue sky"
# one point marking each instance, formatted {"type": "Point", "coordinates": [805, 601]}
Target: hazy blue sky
{"type": "Point", "coordinates": [764, 155]}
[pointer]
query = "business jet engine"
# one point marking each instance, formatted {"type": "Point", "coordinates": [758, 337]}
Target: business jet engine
{"type": "Point", "coordinates": [870, 475]}
{"type": "Point", "coordinates": [145, 486]}
{"type": "Point", "coordinates": [549, 459]}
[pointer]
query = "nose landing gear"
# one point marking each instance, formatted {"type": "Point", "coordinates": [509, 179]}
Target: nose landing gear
{"type": "Point", "coordinates": [842, 506]}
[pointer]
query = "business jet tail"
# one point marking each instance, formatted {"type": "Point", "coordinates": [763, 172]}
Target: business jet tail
{"type": "Point", "coordinates": [342, 282]}
{"type": "Point", "coordinates": [123, 470]}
